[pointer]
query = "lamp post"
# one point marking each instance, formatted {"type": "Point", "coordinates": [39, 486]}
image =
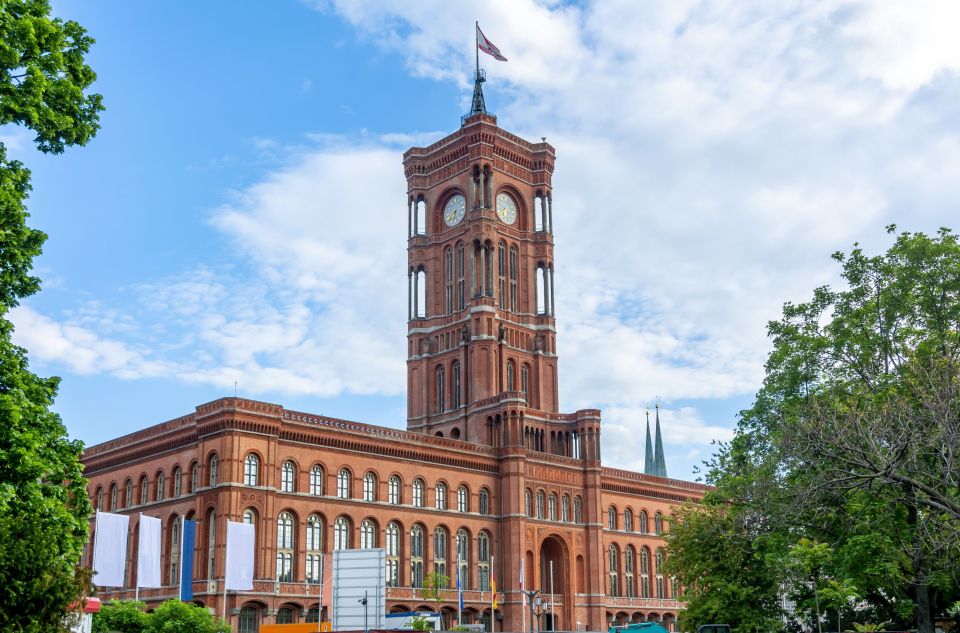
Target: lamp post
{"type": "Point", "coordinates": [530, 595]}
{"type": "Point", "coordinates": [540, 607]}
{"type": "Point", "coordinates": [363, 601]}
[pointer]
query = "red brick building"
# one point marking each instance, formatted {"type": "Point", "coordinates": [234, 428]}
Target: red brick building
{"type": "Point", "coordinates": [489, 472]}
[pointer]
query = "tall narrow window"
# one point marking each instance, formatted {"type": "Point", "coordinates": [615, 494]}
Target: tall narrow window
{"type": "Point", "coordinates": [552, 506]}
{"type": "Point", "coordinates": [194, 477]}
{"type": "Point", "coordinates": [343, 483]}
{"type": "Point", "coordinates": [440, 551]}
{"type": "Point", "coordinates": [341, 533]}
{"type": "Point", "coordinates": [659, 572]}
{"type": "Point", "coordinates": [628, 520]}
{"type": "Point", "coordinates": [288, 475]}
{"type": "Point", "coordinates": [212, 470]}
{"type": "Point", "coordinates": [251, 470]}
{"type": "Point", "coordinates": [98, 502]}
{"type": "Point", "coordinates": [316, 480]}
{"type": "Point", "coordinates": [463, 558]}
{"type": "Point", "coordinates": [528, 503]}
{"type": "Point", "coordinates": [577, 510]}
{"type": "Point", "coordinates": [369, 487]}
{"type": "Point", "coordinates": [483, 562]}
{"type": "Point", "coordinates": [524, 378]}
{"type": "Point", "coordinates": [128, 493]}
{"type": "Point", "coordinates": [461, 281]}
{"type": "Point", "coordinates": [514, 266]}
{"type": "Point", "coordinates": [657, 523]}
{"type": "Point", "coordinates": [540, 504]}
{"type": "Point", "coordinates": [144, 496]}
{"type": "Point", "coordinates": [177, 482]}
{"type": "Point", "coordinates": [612, 518]}
{"type": "Point", "coordinates": [463, 499]}
{"type": "Point", "coordinates": [393, 490]}
{"type": "Point", "coordinates": [418, 488]}
{"type": "Point", "coordinates": [174, 550]}
{"type": "Point", "coordinates": [502, 275]}
{"type": "Point", "coordinates": [565, 509]}
{"type": "Point", "coordinates": [441, 389]}
{"type": "Point", "coordinates": [285, 547]}
{"type": "Point", "coordinates": [114, 498]}
{"type": "Point", "coordinates": [211, 543]}
{"type": "Point", "coordinates": [368, 534]}
{"type": "Point", "coordinates": [642, 522]}
{"type": "Point", "coordinates": [393, 554]}
{"type": "Point", "coordinates": [161, 485]}
{"type": "Point", "coordinates": [448, 279]}
{"type": "Point", "coordinates": [416, 556]}
{"type": "Point", "coordinates": [250, 518]}
{"type": "Point", "coordinates": [455, 371]}
{"type": "Point", "coordinates": [484, 501]}
{"type": "Point", "coordinates": [441, 496]}
{"type": "Point", "coordinates": [644, 573]}
{"type": "Point", "coordinates": [628, 570]}
{"type": "Point", "coordinates": [614, 589]}
{"type": "Point", "coordinates": [511, 378]}
{"type": "Point", "coordinates": [314, 542]}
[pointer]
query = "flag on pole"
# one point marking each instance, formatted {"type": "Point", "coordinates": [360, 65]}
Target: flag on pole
{"type": "Point", "coordinates": [188, 536]}
{"type": "Point", "coordinates": [493, 583]}
{"type": "Point", "coordinates": [239, 569]}
{"type": "Point", "coordinates": [148, 552]}
{"type": "Point", "coordinates": [523, 597]}
{"type": "Point", "coordinates": [110, 549]}
{"type": "Point", "coordinates": [488, 47]}
{"type": "Point", "coordinates": [459, 593]}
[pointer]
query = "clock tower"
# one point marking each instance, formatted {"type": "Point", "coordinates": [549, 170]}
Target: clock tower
{"type": "Point", "coordinates": [480, 252]}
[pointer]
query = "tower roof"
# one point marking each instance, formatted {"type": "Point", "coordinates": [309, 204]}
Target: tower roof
{"type": "Point", "coordinates": [648, 461]}
{"type": "Point", "coordinates": [659, 461]}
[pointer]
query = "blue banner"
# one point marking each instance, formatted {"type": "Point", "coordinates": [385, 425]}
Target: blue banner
{"type": "Point", "coordinates": [186, 559]}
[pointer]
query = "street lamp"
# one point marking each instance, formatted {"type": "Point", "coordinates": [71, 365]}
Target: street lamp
{"type": "Point", "coordinates": [363, 601]}
{"type": "Point", "coordinates": [530, 595]}
{"type": "Point", "coordinates": [540, 607]}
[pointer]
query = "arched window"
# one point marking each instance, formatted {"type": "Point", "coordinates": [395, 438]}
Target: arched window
{"type": "Point", "coordinates": [248, 620]}
{"type": "Point", "coordinates": [393, 555]}
{"type": "Point", "coordinates": [577, 510]}
{"type": "Point", "coordinates": [341, 533]}
{"type": "Point", "coordinates": [658, 523]}
{"type": "Point", "coordinates": [448, 279]}
{"type": "Point", "coordinates": [160, 486]}
{"type": "Point", "coordinates": [524, 378]}
{"type": "Point", "coordinates": [285, 547]}
{"type": "Point", "coordinates": [540, 504]}
{"type": "Point", "coordinates": [174, 550]}
{"type": "Point", "coordinates": [461, 283]}
{"type": "Point", "coordinates": [194, 477]}
{"type": "Point", "coordinates": [628, 572]}
{"type": "Point", "coordinates": [177, 482]}
{"type": "Point", "coordinates": [484, 501]}
{"type": "Point", "coordinates": [416, 556]}
{"type": "Point", "coordinates": [211, 543]}
{"type": "Point", "coordinates": [314, 542]}
{"type": "Point", "coordinates": [288, 477]}
{"type": "Point", "coordinates": [514, 267]}
{"type": "Point", "coordinates": [441, 389]}
{"type": "Point", "coordinates": [528, 503]}
{"type": "Point", "coordinates": [98, 499]}
{"type": "Point", "coordinates": [212, 469]}
{"type": "Point", "coordinates": [418, 488]}
{"type": "Point", "coordinates": [251, 470]}
{"type": "Point", "coordinates": [642, 522]}
{"type": "Point", "coordinates": [441, 496]}
{"type": "Point", "coordinates": [612, 518]}
{"type": "Point", "coordinates": [644, 573]}
{"type": "Point", "coordinates": [628, 520]}
{"type": "Point", "coordinates": [659, 572]}
{"type": "Point", "coordinates": [552, 506]}
{"type": "Point", "coordinates": [565, 509]}
{"type": "Point", "coordinates": [463, 558]}
{"type": "Point", "coordinates": [440, 551]}
{"type": "Point", "coordinates": [368, 534]}
{"type": "Point", "coordinates": [114, 497]}
{"type": "Point", "coordinates": [455, 375]}
{"type": "Point", "coordinates": [463, 499]}
{"type": "Point", "coordinates": [285, 615]}
{"type": "Point", "coordinates": [343, 483]}
{"type": "Point", "coordinates": [250, 518]}
{"type": "Point", "coordinates": [144, 495]}
{"type": "Point", "coordinates": [614, 589]}
{"type": "Point", "coordinates": [483, 562]}
{"type": "Point", "coordinates": [393, 490]}
{"type": "Point", "coordinates": [511, 378]}
{"type": "Point", "coordinates": [128, 494]}
{"type": "Point", "coordinates": [316, 480]}
{"type": "Point", "coordinates": [370, 487]}
{"type": "Point", "coordinates": [502, 275]}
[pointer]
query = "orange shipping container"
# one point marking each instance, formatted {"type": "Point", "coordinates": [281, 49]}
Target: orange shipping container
{"type": "Point", "coordinates": [305, 627]}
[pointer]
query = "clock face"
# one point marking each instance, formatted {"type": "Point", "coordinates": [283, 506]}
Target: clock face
{"type": "Point", "coordinates": [506, 208]}
{"type": "Point", "coordinates": [454, 210]}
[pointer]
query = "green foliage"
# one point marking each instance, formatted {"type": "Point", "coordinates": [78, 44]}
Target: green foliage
{"type": "Point", "coordinates": [171, 616]}
{"type": "Point", "coordinates": [120, 616]}
{"type": "Point", "coordinates": [420, 623]}
{"type": "Point", "coordinates": [433, 586]}
{"type": "Point", "coordinates": [44, 507]}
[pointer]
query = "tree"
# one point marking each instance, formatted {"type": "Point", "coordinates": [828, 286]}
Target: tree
{"type": "Point", "coordinates": [853, 437]}
{"type": "Point", "coordinates": [184, 617]}
{"type": "Point", "coordinates": [121, 616]}
{"type": "Point", "coordinates": [44, 509]}
{"type": "Point", "coordinates": [433, 585]}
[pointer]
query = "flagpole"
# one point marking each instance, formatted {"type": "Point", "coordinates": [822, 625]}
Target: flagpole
{"type": "Point", "coordinates": [180, 567]}
{"type": "Point", "coordinates": [553, 603]}
{"type": "Point", "coordinates": [476, 45]}
{"type": "Point", "coordinates": [320, 597]}
{"type": "Point", "coordinates": [459, 595]}
{"type": "Point", "coordinates": [493, 596]}
{"type": "Point", "coordinates": [136, 582]}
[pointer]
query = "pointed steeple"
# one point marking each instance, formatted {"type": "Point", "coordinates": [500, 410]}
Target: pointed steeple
{"type": "Point", "coordinates": [478, 105]}
{"type": "Point", "coordinates": [659, 461]}
{"type": "Point", "coordinates": [648, 464]}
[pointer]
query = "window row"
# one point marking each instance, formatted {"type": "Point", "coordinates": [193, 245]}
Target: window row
{"type": "Point", "coordinates": [162, 489]}
{"type": "Point", "coordinates": [643, 524]}
{"type": "Point", "coordinates": [633, 579]}
{"type": "Point", "coordinates": [480, 196]}
{"type": "Point", "coordinates": [546, 507]}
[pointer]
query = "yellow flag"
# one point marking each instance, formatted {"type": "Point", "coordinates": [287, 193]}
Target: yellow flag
{"type": "Point", "coordinates": [493, 587]}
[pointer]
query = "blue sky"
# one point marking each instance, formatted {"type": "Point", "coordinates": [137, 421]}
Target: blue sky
{"type": "Point", "coordinates": [240, 217]}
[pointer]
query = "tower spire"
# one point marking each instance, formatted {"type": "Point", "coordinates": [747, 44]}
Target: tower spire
{"type": "Point", "coordinates": [659, 461]}
{"type": "Point", "coordinates": [477, 106]}
{"type": "Point", "coordinates": [648, 461]}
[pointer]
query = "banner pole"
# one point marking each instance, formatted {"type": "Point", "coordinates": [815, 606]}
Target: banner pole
{"type": "Point", "coordinates": [493, 596]}
{"type": "Point", "coordinates": [136, 583]}
{"type": "Point", "coordinates": [180, 567]}
{"type": "Point", "coordinates": [323, 558]}
{"type": "Point", "coordinates": [553, 603]}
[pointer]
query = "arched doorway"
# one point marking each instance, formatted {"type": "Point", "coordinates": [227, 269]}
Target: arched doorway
{"type": "Point", "coordinates": [555, 568]}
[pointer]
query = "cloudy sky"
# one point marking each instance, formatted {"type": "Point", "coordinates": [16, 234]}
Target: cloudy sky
{"type": "Point", "coordinates": [240, 219]}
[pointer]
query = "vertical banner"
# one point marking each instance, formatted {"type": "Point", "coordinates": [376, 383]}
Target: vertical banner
{"type": "Point", "coordinates": [188, 536]}
{"type": "Point", "coordinates": [148, 552]}
{"type": "Point", "coordinates": [110, 549]}
{"type": "Point", "coordinates": [239, 569]}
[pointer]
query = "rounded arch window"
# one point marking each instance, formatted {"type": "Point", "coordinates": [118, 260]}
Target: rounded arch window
{"type": "Point", "coordinates": [393, 490]}
{"type": "Point", "coordinates": [251, 470]}
{"type": "Point", "coordinates": [368, 534]}
{"type": "Point", "coordinates": [370, 487]}
{"type": "Point", "coordinates": [341, 533]}
{"type": "Point", "coordinates": [343, 483]}
{"type": "Point", "coordinates": [316, 480]}
{"type": "Point", "coordinates": [463, 499]}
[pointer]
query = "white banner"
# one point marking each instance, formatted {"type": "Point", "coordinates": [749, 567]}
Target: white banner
{"type": "Point", "coordinates": [110, 549]}
{"type": "Point", "coordinates": [239, 572]}
{"type": "Point", "coordinates": [148, 552]}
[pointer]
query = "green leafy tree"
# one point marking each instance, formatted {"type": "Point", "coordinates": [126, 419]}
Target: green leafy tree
{"type": "Point", "coordinates": [174, 616]}
{"type": "Point", "coordinates": [433, 585]}
{"type": "Point", "coordinates": [121, 616]}
{"type": "Point", "coordinates": [44, 507]}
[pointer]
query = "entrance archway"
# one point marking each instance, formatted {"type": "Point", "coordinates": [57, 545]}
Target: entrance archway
{"type": "Point", "coordinates": [553, 553]}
